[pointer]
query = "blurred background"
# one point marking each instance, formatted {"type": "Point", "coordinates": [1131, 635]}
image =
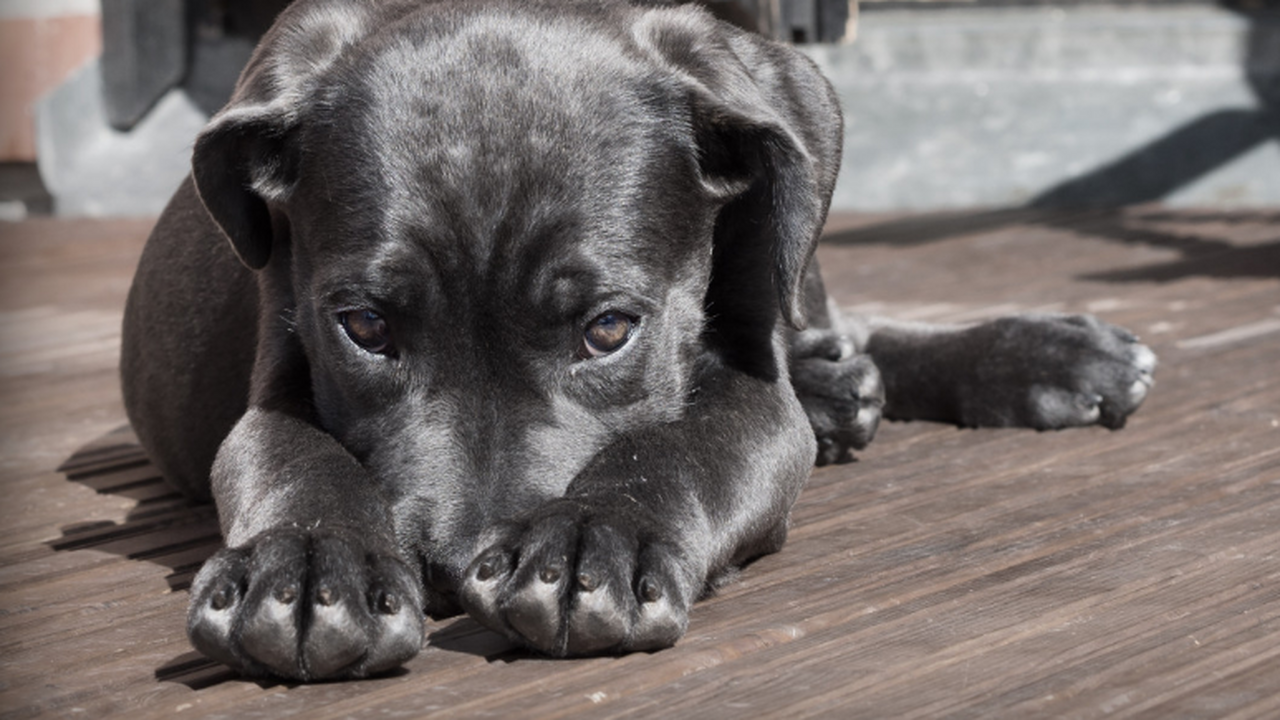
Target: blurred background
{"type": "Point", "coordinates": [949, 104]}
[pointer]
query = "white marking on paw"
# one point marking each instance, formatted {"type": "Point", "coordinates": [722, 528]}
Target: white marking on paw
{"type": "Point", "coordinates": [656, 617]}
{"type": "Point", "coordinates": [279, 613]}
{"type": "Point", "coordinates": [599, 605]}
{"type": "Point", "coordinates": [401, 621]}
{"type": "Point", "coordinates": [1144, 359]}
{"type": "Point", "coordinates": [334, 616]}
{"type": "Point", "coordinates": [220, 619]}
{"type": "Point", "coordinates": [1092, 415]}
{"type": "Point", "coordinates": [1138, 391]}
{"type": "Point", "coordinates": [1059, 407]}
{"type": "Point", "coordinates": [846, 347]}
{"type": "Point", "coordinates": [546, 593]}
{"type": "Point", "coordinates": [869, 384]}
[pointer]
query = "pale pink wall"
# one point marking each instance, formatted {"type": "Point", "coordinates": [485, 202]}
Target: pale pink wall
{"type": "Point", "coordinates": [36, 54]}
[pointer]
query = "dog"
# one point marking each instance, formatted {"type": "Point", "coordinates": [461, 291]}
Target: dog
{"type": "Point", "coordinates": [510, 308]}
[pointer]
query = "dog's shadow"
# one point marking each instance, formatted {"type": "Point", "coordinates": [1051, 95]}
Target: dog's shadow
{"type": "Point", "coordinates": [163, 527]}
{"type": "Point", "coordinates": [1197, 237]}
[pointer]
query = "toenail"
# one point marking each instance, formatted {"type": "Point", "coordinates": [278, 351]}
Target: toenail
{"type": "Point", "coordinates": [388, 603]}
{"type": "Point", "coordinates": [650, 590]}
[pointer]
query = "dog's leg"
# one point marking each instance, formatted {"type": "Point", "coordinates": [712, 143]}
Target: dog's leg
{"type": "Point", "coordinates": [838, 386]}
{"type": "Point", "coordinates": [616, 563]}
{"type": "Point", "coordinates": [298, 592]}
{"type": "Point", "coordinates": [312, 584]}
{"type": "Point", "coordinates": [1043, 371]}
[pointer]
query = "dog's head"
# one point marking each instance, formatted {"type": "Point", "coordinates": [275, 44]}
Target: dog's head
{"type": "Point", "coordinates": [507, 232]}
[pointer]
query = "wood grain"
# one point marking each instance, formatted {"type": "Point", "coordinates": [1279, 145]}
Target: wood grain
{"type": "Point", "coordinates": [945, 573]}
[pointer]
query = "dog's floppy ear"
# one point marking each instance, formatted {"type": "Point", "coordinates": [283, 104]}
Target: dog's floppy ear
{"type": "Point", "coordinates": [769, 133]}
{"type": "Point", "coordinates": [243, 159]}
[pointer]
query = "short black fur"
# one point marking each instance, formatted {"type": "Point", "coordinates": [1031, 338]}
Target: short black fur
{"type": "Point", "coordinates": [486, 179]}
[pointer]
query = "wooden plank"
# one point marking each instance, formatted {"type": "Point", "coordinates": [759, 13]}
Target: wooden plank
{"type": "Point", "coordinates": [959, 573]}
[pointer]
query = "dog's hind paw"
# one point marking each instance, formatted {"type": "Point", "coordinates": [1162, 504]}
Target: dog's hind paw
{"type": "Point", "coordinates": [1056, 371]}
{"type": "Point", "coordinates": [580, 580]}
{"type": "Point", "coordinates": [306, 606]}
{"type": "Point", "coordinates": [841, 392]}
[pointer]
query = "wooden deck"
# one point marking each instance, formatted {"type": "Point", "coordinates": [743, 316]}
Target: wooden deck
{"type": "Point", "coordinates": [945, 573]}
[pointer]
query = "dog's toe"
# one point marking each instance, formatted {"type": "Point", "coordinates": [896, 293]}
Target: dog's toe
{"type": "Point", "coordinates": [578, 580]}
{"type": "Point", "coordinates": [216, 597]}
{"type": "Point", "coordinates": [304, 607]}
{"type": "Point", "coordinates": [1055, 371]}
{"type": "Point", "coordinates": [1125, 378]}
{"type": "Point", "coordinates": [269, 635]}
{"type": "Point", "coordinates": [1143, 359]}
{"type": "Point", "coordinates": [1056, 407]}
{"type": "Point", "coordinates": [1138, 392]}
{"type": "Point", "coordinates": [843, 399]}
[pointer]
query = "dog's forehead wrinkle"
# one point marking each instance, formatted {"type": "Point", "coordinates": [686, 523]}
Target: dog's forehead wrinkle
{"type": "Point", "coordinates": [457, 86]}
{"type": "Point", "coordinates": [380, 276]}
{"type": "Point", "coordinates": [534, 278]}
{"type": "Point", "coordinates": [441, 115]}
{"type": "Point", "coordinates": [438, 147]}
{"type": "Point", "coordinates": [408, 275]}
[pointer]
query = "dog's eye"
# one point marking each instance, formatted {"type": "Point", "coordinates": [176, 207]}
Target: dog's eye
{"type": "Point", "coordinates": [367, 329]}
{"type": "Point", "coordinates": [606, 333]}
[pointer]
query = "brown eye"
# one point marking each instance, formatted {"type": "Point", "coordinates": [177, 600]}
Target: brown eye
{"type": "Point", "coordinates": [367, 329]}
{"type": "Point", "coordinates": [606, 333]}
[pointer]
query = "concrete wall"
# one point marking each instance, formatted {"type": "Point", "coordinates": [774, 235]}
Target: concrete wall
{"type": "Point", "coordinates": [41, 43]}
{"type": "Point", "coordinates": [981, 107]}
{"type": "Point", "coordinates": [944, 108]}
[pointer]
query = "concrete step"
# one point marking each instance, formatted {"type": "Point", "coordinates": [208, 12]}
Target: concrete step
{"type": "Point", "coordinates": [1056, 105]}
{"type": "Point", "coordinates": [946, 107]}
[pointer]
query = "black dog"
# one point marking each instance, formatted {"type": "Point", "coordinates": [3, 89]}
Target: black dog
{"type": "Point", "coordinates": [508, 323]}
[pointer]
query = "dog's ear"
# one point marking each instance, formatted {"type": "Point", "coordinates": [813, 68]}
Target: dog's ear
{"type": "Point", "coordinates": [769, 132]}
{"type": "Point", "coordinates": [244, 158]}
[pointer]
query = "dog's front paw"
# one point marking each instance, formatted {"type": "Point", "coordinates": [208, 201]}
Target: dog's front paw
{"type": "Point", "coordinates": [1057, 371]}
{"type": "Point", "coordinates": [307, 606]}
{"type": "Point", "coordinates": [575, 579]}
{"type": "Point", "coordinates": [841, 392]}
